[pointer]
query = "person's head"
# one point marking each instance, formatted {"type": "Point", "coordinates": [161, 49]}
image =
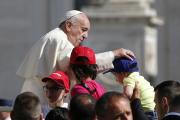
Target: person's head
{"type": "Point", "coordinates": [174, 105]}
{"type": "Point", "coordinates": [164, 93]}
{"type": "Point", "coordinates": [27, 106]}
{"type": "Point", "coordinates": [5, 108]}
{"type": "Point", "coordinates": [113, 106]}
{"type": "Point", "coordinates": [123, 67]}
{"type": "Point", "coordinates": [56, 88]}
{"type": "Point", "coordinates": [83, 63]}
{"type": "Point", "coordinates": [82, 107]}
{"type": "Point", "coordinates": [58, 113]}
{"type": "Point", "coordinates": [76, 25]}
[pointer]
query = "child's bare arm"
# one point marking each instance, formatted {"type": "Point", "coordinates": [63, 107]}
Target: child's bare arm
{"type": "Point", "coordinates": [128, 90]}
{"type": "Point", "coordinates": [136, 92]}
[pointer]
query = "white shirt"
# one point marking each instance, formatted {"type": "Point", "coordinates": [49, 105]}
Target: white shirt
{"type": "Point", "coordinates": [172, 113]}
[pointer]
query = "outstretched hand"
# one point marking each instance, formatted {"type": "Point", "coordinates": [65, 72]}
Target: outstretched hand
{"type": "Point", "coordinates": [124, 53]}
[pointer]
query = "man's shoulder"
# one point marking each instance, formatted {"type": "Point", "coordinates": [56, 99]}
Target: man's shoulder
{"type": "Point", "coordinates": [56, 32]}
{"type": "Point", "coordinates": [171, 117]}
{"type": "Point", "coordinates": [56, 35]}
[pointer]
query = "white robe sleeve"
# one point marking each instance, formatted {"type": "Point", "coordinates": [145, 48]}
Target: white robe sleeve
{"type": "Point", "coordinates": [104, 61]}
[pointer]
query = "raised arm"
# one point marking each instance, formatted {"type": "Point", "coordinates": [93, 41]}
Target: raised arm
{"type": "Point", "coordinates": [104, 60]}
{"type": "Point", "coordinates": [128, 90]}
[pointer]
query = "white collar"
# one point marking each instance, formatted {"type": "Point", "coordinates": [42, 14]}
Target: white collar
{"type": "Point", "coordinates": [172, 113]}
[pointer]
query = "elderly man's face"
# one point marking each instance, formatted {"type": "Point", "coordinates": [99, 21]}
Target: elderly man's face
{"type": "Point", "coordinates": [54, 91]}
{"type": "Point", "coordinates": [78, 31]}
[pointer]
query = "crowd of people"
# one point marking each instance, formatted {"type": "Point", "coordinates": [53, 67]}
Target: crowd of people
{"type": "Point", "coordinates": [60, 81]}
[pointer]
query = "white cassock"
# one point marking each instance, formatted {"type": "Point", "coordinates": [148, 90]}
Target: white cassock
{"type": "Point", "coordinates": [49, 54]}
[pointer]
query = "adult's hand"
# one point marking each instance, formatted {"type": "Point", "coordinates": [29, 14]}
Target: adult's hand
{"type": "Point", "coordinates": [124, 53]}
{"type": "Point", "coordinates": [137, 110]}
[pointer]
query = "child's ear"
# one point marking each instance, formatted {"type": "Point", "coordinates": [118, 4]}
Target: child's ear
{"type": "Point", "coordinates": [121, 76]}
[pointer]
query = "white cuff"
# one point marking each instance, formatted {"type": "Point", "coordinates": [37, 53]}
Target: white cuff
{"type": "Point", "coordinates": [104, 60]}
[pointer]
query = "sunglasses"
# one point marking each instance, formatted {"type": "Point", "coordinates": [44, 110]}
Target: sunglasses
{"type": "Point", "coordinates": [53, 88]}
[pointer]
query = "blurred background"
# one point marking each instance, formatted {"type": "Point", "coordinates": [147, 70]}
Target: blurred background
{"type": "Point", "coordinates": [150, 28]}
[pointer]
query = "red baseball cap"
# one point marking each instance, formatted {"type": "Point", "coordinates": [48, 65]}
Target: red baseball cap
{"type": "Point", "coordinates": [60, 78]}
{"type": "Point", "coordinates": [83, 51]}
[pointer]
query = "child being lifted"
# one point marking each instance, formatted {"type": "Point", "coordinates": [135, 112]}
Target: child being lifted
{"type": "Point", "coordinates": [127, 74]}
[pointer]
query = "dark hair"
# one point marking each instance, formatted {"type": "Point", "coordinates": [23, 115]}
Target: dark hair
{"type": "Point", "coordinates": [58, 113]}
{"type": "Point", "coordinates": [26, 107]}
{"type": "Point", "coordinates": [175, 103]}
{"type": "Point", "coordinates": [167, 89]}
{"type": "Point", "coordinates": [82, 107]}
{"type": "Point", "coordinates": [104, 104]}
{"type": "Point", "coordinates": [82, 70]}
